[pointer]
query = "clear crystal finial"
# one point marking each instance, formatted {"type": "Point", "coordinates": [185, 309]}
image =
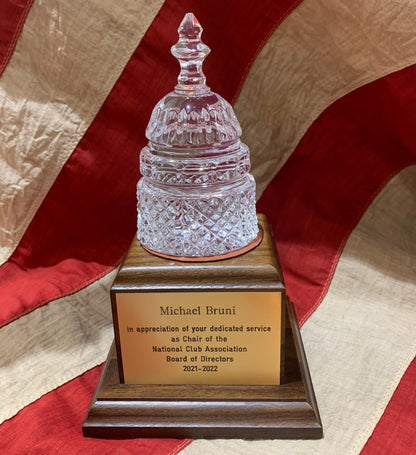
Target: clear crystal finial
{"type": "Point", "coordinates": [191, 52]}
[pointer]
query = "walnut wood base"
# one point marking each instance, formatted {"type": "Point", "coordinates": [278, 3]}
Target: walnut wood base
{"type": "Point", "coordinates": [209, 411]}
{"type": "Point", "coordinates": [288, 410]}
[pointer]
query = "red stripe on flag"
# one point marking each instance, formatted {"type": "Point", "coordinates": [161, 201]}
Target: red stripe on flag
{"type": "Point", "coordinates": [88, 219]}
{"type": "Point", "coordinates": [395, 434]}
{"type": "Point", "coordinates": [13, 14]}
{"type": "Point", "coordinates": [315, 201]}
{"type": "Point", "coordinates": [53, 425]}
{"type": "Point", "coordinates": [350, 152]}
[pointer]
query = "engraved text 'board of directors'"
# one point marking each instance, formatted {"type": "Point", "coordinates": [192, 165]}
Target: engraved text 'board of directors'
{"type": "Point", "coordinates": [200, 337]}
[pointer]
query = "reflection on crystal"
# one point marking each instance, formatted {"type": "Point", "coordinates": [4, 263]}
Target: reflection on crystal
{"type": "Point", "coordinates": [196, 197]}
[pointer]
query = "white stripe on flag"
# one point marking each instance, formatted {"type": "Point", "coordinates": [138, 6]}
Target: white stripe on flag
{"type": "Point", "coordinates": [54, 344]}
{"type": "Point", "coordinates": [322, 51]}
{"type": "Point", "coordinates": [361, 338]}
{"type": "Point", "coordinates": [67, 59]}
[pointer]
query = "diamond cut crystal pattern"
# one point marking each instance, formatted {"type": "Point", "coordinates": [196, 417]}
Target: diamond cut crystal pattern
{"type": "Point", "coordinates": [196, 197]}
{"type": "Point", "coordinates": [179, 225]}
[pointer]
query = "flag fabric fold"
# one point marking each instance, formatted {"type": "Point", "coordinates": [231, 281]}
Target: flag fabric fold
{"type": "Point", "coordinates": [325, 95]}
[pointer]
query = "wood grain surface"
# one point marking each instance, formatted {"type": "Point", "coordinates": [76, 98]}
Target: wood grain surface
{"type": "Point", "coordinates": [288, 410]}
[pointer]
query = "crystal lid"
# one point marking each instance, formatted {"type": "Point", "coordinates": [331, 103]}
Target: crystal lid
{"type": "Point", "coordinates": [192, 114]}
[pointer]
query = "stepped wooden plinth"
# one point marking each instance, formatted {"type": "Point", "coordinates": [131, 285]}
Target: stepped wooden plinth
{"type": "Point", "coordinates": [285, 409]}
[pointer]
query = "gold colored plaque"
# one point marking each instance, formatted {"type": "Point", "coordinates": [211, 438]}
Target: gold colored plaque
{"type": "Point", "coordinates": [200, 337]}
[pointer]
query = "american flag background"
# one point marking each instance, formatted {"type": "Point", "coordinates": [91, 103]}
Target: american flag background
{"type": "Point", "coordinates": [325, 92]}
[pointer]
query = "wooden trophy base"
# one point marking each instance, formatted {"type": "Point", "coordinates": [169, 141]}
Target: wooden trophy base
{"type": "Point", "coordinates": [288, 410]}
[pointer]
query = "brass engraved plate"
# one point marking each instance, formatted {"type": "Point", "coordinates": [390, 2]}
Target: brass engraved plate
{"type": "Point", "coordinates": [200, 337]}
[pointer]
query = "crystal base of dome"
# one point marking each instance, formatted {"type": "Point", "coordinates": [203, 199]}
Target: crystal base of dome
{"type": "Point", "coordinates": [203, 224]}
{"type": "Point", "coordinates": [253, 244]}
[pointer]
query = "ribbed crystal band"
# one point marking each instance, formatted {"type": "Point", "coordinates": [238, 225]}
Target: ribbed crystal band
{"type": "Point", "coordinates": [230, 165]}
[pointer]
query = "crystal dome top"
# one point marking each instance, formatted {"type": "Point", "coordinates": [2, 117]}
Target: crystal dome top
{"type": "Point", "coordinates": [196, 197]}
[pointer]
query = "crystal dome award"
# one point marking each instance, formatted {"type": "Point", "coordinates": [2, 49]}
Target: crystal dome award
{"type": "Point", "coordinates": [196, 198]}
{"type": "Point", "coordinates": [206, 342]}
